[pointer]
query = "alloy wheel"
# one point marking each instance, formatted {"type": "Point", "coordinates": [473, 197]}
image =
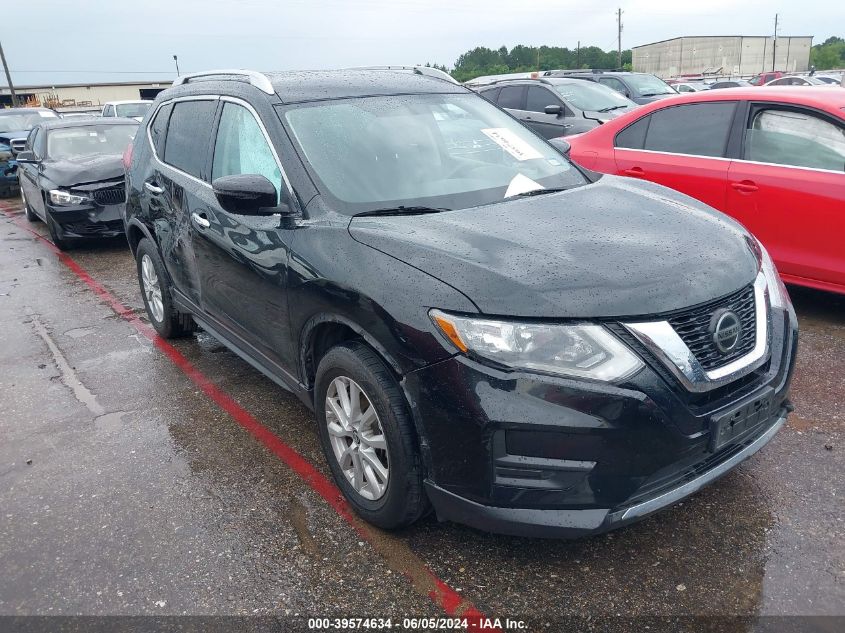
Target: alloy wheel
{"type": "Point", "coordinates": [152, 288]}
{"type": "Point", "coordinates": [357, 438]}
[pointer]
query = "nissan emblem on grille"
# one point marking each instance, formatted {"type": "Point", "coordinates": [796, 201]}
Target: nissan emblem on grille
{"type": "Point", "coordinates": [726, 328]}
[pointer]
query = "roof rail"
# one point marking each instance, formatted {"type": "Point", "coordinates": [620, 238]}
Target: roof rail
{"type": "Point", "coordinates": [257, 79]}
{"type": "Point", "coordinates": [583, 71]}
{"type": "Point", "coordinates": [417, 70]}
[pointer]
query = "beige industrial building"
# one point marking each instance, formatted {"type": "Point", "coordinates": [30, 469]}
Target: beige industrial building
{"type": "Point", "coordinates": [82, 95]}
{"type": "Point", "coordinates": [737, 55]}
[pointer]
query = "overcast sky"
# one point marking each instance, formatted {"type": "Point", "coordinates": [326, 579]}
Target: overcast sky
{"type": "Point", "coordinates": [52, 41]}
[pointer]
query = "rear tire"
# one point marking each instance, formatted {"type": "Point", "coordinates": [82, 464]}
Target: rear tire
{"type": "Point", "coordinates": [383, 485]}
{"type": "Point", "coordinates": [155, 289]}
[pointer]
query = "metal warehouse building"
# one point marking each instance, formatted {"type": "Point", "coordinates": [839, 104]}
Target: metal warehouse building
{"type": "Point", "coordinates": [731, 54]}
{"type": "Point", "coordinates": [79, 95]}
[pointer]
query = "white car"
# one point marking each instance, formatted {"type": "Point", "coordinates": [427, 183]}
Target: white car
{"type": "Point", "coordinates": [128, 109]}
{"type": "Point", "coordinates": [796, 81]}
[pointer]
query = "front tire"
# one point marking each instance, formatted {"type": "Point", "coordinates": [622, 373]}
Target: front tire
{"type": "Point", "coordinates": [368, 436]}
{"type": "Point", "coordinates": [26, 208]}
{"type": "Point", "coordinates": [61, 243]}
{"type": "Point", "coordinates": [155, 289]}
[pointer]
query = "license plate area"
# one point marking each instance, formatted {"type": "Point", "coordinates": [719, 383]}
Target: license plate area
{"type": "Point", "coordinates": [737, 422]}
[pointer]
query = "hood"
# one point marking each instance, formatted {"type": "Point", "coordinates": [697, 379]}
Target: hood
{"type": "Point", "coordinates": [617, 247]}
{"type": "Point", "coordinates": [85, 169]}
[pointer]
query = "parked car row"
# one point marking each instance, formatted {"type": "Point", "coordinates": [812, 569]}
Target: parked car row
{"type": "Point", "coordinates": [16, 124]}
{"type": "Point", "coordinates": [579, 350]}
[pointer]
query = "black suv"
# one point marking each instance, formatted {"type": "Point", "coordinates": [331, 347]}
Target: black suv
{"type": "Point", "coordinates": [641, 88]}
{"type": "Point", "coordinates": [477, 324]}
{"type": "Point", "coordinates": [555, 107]}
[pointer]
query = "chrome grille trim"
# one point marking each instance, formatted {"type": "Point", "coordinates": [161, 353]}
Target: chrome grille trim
{"type": "Point", "coordinates": [660, 338]}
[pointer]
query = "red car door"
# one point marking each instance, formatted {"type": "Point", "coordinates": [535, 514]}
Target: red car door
{"type": "Point", "coordinates": [682, 147]}
{"type": "Point", "coordinates": [789, 190]}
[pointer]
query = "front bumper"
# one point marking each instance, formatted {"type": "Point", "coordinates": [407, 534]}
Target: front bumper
{"type": "Point", "coordinates": [580, 522]}
{"type": "Point", "coordinates": [541, 456]}
{"type": "Point", "coordinates": [90, 220]}
{"type": "Point", "coordinates": [8, 177]}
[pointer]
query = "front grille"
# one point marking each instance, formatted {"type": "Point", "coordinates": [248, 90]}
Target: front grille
{"type": "Point", "coordinates": [18, 145]}
{"type": "Point", "coordinates": [693, 326]}
{"type": "Point", "coordinates": [109, 195]}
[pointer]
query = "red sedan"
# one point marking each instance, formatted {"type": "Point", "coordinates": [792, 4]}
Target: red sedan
{"type": "Point", "coordinates": [773, 158]}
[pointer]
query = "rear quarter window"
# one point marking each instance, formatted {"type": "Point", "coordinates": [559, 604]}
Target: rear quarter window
{"type": "Point", "coordinates": [188, 133]}
{"type": "Point", "coordinates": [158, 128]}
{"type": "Point", "coordinates": [633, 136]}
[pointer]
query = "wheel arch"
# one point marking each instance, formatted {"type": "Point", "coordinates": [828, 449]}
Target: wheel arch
{"type": "Point", "coordinates": [324, 330]}
{"type": "Point", "coordinates": [135, 232]}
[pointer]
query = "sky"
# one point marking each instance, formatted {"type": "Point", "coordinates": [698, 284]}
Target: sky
{"type": "Point", "coordinates": [49, 42]}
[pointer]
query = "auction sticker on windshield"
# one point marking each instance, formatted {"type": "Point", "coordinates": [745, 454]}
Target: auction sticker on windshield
{"type": "Point", "coordinates": [511, 143]}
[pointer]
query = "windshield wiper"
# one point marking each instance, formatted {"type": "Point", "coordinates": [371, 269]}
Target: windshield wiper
{"type": "Point", "coordinates": [401, 210]}
{"type": "Point", "coordinates": [539, 192]}
{"type": "Point", "coordinates": [608, 109]}
{"type": "Point", "coordinates": [654, 94]}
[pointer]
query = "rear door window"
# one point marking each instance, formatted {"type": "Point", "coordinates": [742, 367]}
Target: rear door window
{"type": "Point", "coordinates": [794, 137]}
{"type": "Point", "coordinates": [188, 134]}
{"type": "Point", "coordinates": [698, 129]}
{"type": "Point", "coordinates": [538, 98]}
{"type": "Point", "coordinates": [490, 94]}
{"type": "Point", "coordinates": [613, 82]}
{"type": "Point", "coordinates": [511, 97]}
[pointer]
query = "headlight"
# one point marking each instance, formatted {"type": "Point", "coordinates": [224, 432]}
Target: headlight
{"type": "Point", "coordinates": [580, 351]}
{"type": "Point", "coordinates": [57, 196]}
{"type": "Point", "coordinates": [778, 296]}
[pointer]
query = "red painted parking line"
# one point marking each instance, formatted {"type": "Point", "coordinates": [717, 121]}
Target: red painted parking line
{"type": "Point", "coordinates": [441, 593]}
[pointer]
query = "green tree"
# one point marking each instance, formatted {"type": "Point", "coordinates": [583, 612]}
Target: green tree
{"type": "Point", "coordinates": [521, 58]}
{"type": "Point", "coordinates": [829, 54]}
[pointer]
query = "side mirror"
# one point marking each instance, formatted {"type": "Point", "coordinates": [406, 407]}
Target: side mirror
{"type": "Point", "coordinates": [561, 145]}
{"type": "Point", "coordinates": [247, 194]}
{"type": "Point", "coordinates": [27, 157]}
{"type": "Point", "coordinates": [553, 109]}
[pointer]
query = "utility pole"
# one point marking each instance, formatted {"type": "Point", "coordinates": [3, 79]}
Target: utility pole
{"type": "Point", "coordinates": [578, 55]}
{"type": "Point", "coordinates": [8, 78]}
{"type": "Point", "coordinates": [176, 59]}
{"type": "Point", "coordinates": [775, 43]}
{"type": "Point", "coordinates": [619, 38]}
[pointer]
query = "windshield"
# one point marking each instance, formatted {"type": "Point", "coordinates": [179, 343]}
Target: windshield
{"type": "Point", "coordinates": [132, 109]}
{"type": "Point", "coordinates": [588, 95]}
{"type": "Point", "coordinates": [445, 151]}
{"type": "Point", "coordinates": [73, 142]}
{"type": "Point", "coordinates": [24, 121]}
{"type": "Point", "coordinates": [649, 85]}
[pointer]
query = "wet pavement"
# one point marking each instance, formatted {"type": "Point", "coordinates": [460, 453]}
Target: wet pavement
{"type": "Point", "coordinates": [125, 489]}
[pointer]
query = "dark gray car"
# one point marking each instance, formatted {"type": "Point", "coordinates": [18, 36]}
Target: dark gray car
{"type": "Point", "coordinates": [554, 107]}
{"type": "Point", "coordinates": [640, 88]}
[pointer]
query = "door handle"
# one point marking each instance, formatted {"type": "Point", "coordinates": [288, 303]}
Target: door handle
{"type": "Point", "coordinates": [153, 189]}
{"type": "Point", "coordinates": [200, 220]}
{"type": "Point", "coordinates": [635, 172]}
{"type": "Point", "coordinates": [745, 186]}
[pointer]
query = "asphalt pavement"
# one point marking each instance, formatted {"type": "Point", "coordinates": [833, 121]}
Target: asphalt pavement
{"type": "Point", "coordinates": [141, 478]}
